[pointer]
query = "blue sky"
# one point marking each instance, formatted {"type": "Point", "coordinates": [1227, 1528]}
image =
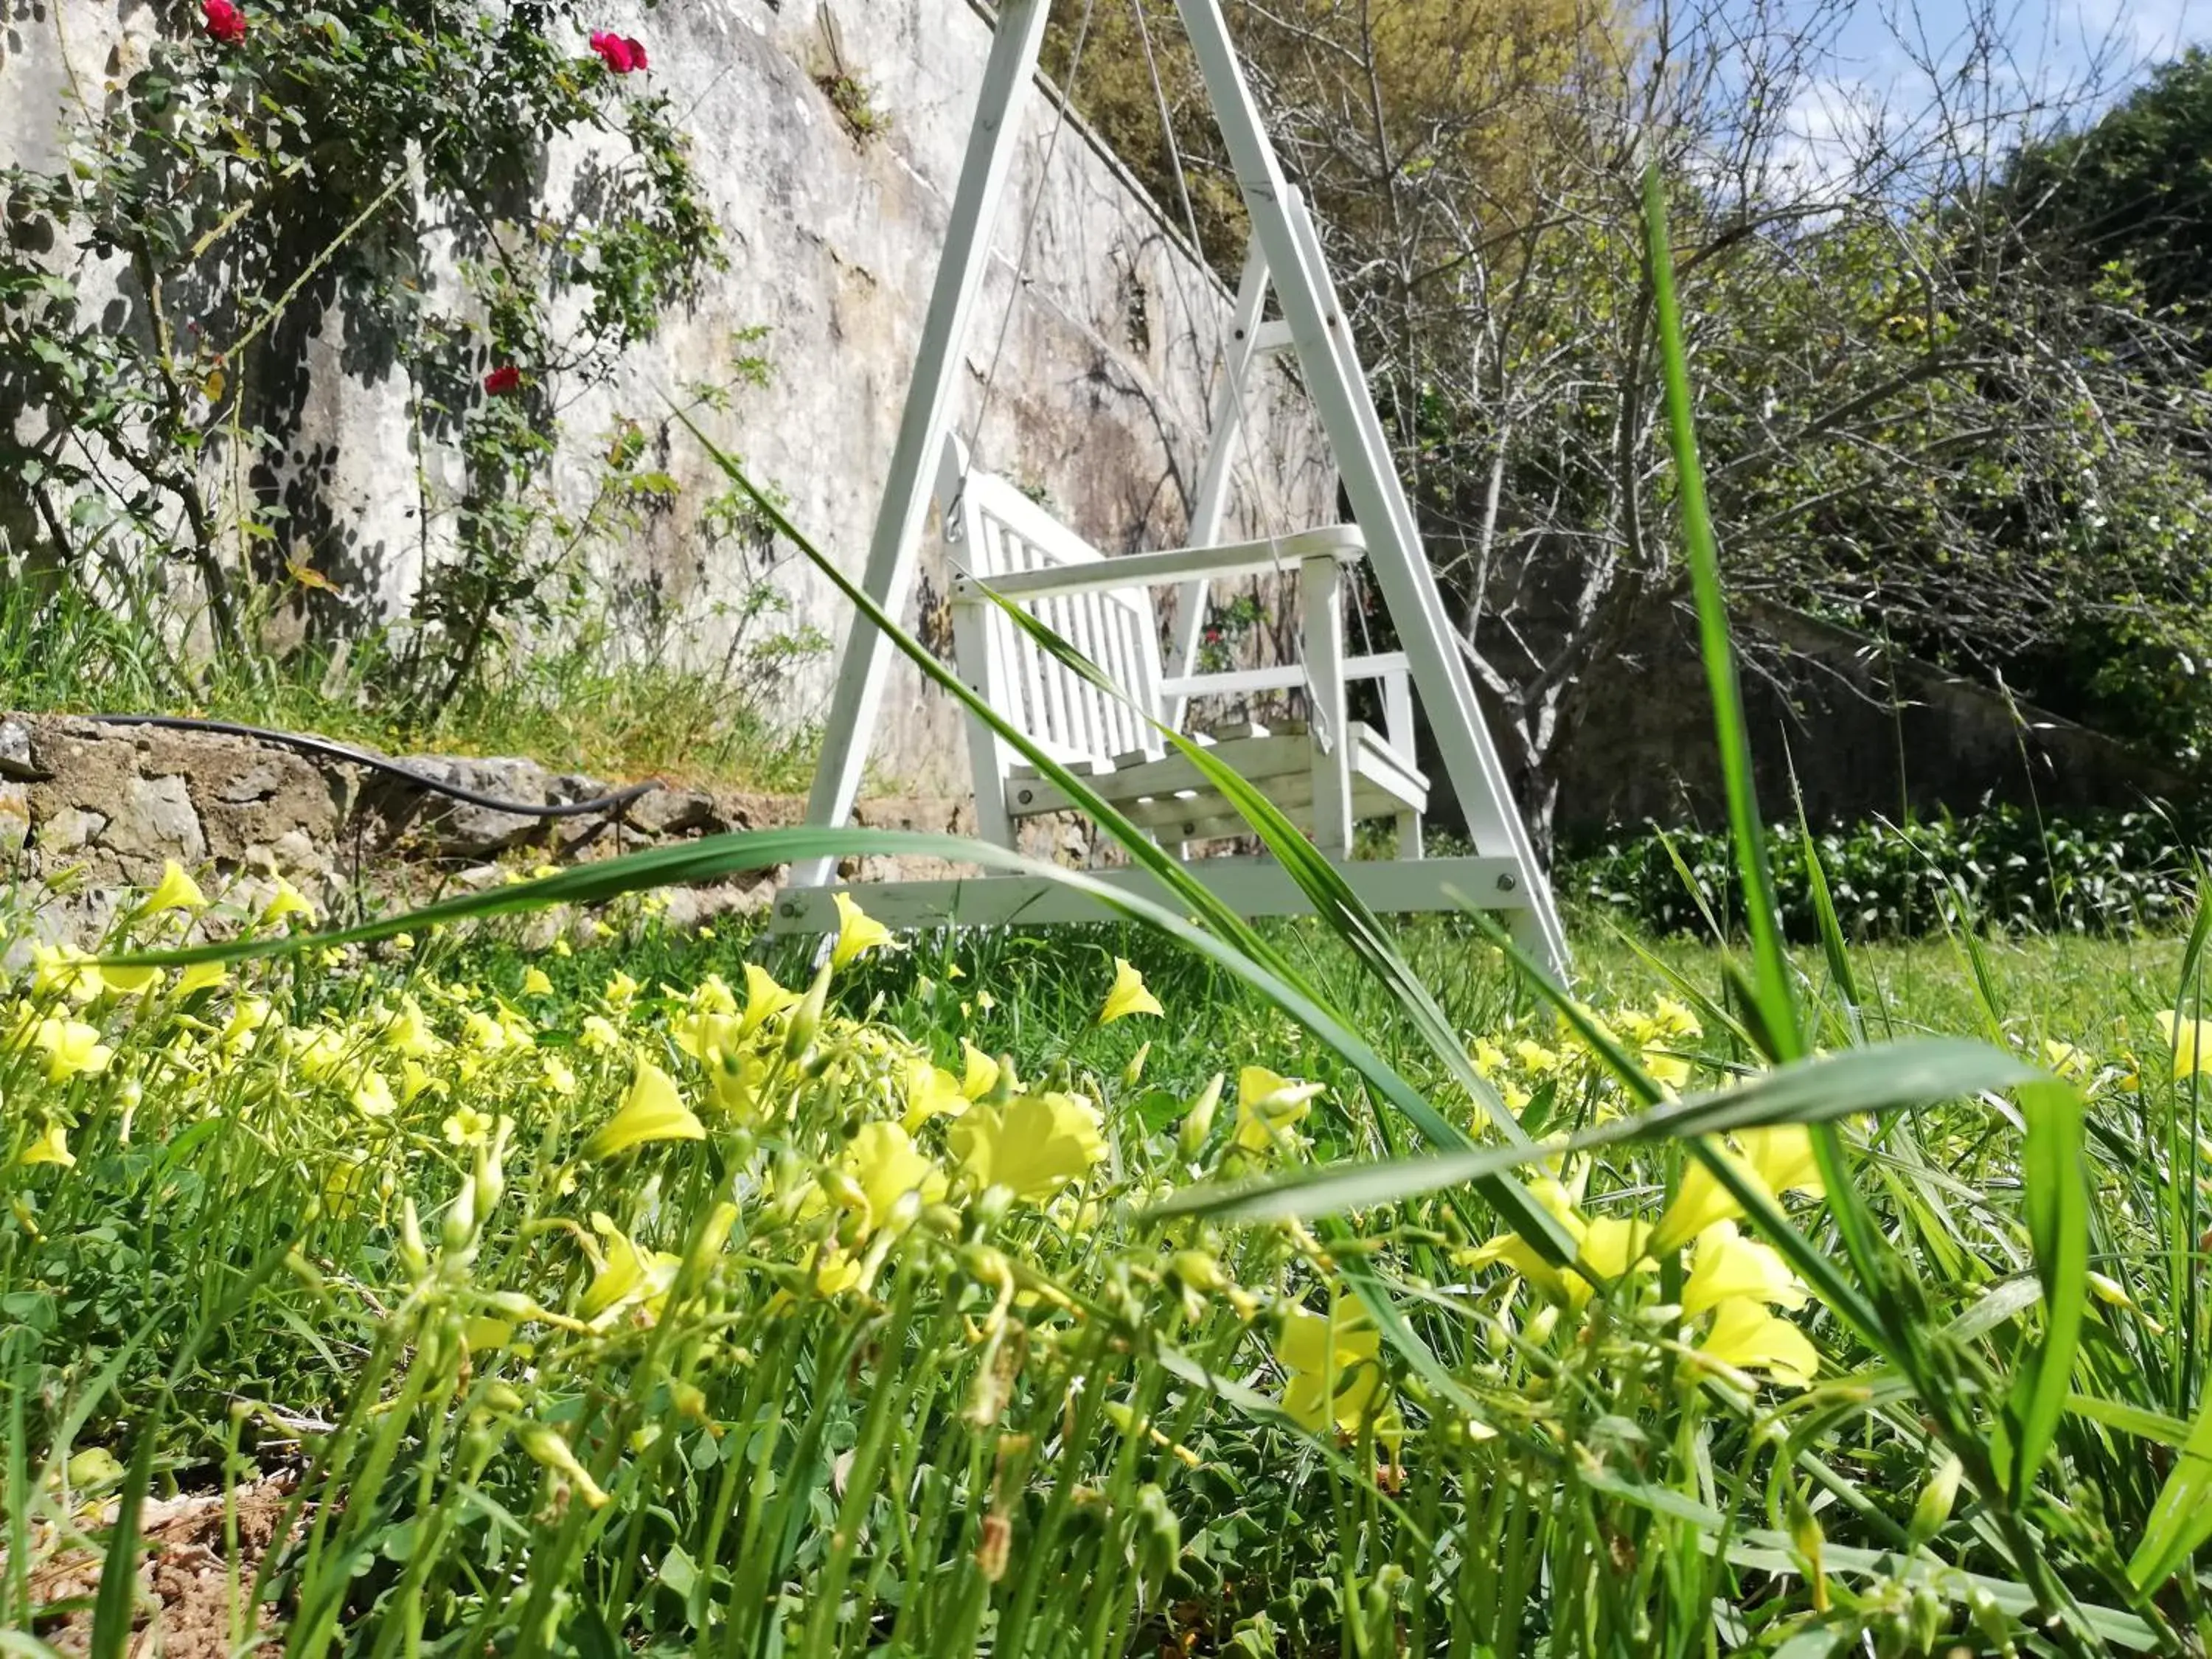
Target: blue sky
{"type": "Point", "coordinates": [2051, 56]}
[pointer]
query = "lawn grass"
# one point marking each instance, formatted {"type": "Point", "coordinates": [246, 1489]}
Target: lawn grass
{"type": "Point", "coordinates": [1017, 1413]}
{"type": "Point", "coordinates": [1303, 1291]}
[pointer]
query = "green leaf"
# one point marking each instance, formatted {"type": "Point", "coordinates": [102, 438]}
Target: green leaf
{"type": "Point", "coordinates": [2181, 1519]}
{"type": "Point", "coordinates": [2058, 1203]}
{"type": "Point", "coordinates": [1701, 553]}
{"type": "Point", "coordinates": [115, 1604]}
{"type": "Point", "coordinates": [1875, 1078]}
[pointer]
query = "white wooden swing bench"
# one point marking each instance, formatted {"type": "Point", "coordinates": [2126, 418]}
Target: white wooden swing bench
{"type": "Point", "coordinates": [1324, 772]}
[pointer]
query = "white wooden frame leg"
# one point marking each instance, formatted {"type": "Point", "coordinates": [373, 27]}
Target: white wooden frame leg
{"type": "Point", "coordinates": [896, 546]}
{"type": "Point", "coordinates": [1321, 602]}
{"type": "Point", "coordinates": [1337, 383]}
{"type": "Point", "coordinates": [1398, 727]}
{"type": "Point", "coordinates": [1210, 502]}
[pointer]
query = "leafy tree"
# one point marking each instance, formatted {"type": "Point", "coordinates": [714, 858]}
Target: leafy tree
{"type": "Point", "coordinates": [1910, 427]}
{"type": "Point", "coordinates": [2130, 189]}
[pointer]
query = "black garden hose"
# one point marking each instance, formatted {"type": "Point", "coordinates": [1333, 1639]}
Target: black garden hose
{"type": "Point", "coordinates": [340, 751]}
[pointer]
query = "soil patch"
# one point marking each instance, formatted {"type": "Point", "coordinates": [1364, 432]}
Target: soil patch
{"type": "Point", "coordinates": [184, 1582]}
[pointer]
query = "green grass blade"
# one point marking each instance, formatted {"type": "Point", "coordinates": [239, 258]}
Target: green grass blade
{"type": "Point", "coordinates": [1880, 1077]}
{"type": "Point", "coordinates": [1332, 898]}
{"type": "Point", "coordinates": [2138, 1420]}
{"type": "Point", "coordinates": [1776, 1003]}
{"type": "Point", "coordinates": [2057, 1202]}
{"type": "Point", "coordinates": [115, 1602]}
{"type": "Point", "coordinates": [1831, 931]}
{"type": "Point", "coordinates": [2181, 1519]}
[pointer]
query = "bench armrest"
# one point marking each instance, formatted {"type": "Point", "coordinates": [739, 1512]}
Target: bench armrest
{"type": "Point", "coordinates": [1343, 543]}
{"type": "Point", "coordinates": [1238, 682]}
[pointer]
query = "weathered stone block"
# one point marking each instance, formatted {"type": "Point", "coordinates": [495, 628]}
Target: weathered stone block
{"type": "Point", "coordinates": [17, 760]}
{"type": "Point", "coordinates": [14, 820]}
{"type": "Point", "coordinates": [72, 829]}
{"type": "Point", "coordinates": [675, 812]}
{"type": "Point", "coordinates": [154, 820]}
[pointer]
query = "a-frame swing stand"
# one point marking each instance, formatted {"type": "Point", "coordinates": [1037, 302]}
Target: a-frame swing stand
{"type": "Point", "coordinates": [1285, 259]}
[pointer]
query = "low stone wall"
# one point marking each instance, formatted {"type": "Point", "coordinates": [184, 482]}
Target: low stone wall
{"type": "Point", "coordinates": [89, 810]}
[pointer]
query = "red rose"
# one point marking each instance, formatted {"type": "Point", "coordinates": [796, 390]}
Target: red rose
{"type": "Point", "coordinates": [224, 21]}
{"type": "Point", "coordinates": [503, 380]}
{"type": "Point", "coordinates": [618, 53]}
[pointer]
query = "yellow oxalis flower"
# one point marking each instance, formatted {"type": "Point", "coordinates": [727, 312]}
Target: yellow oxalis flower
{"type": "Point", "coordinates": [373, 1096]}
{"type": "Point", "coordinates": [1666, 1068]}
{"type": "Point", "coordinates": [764, 1000]}
{"type": "Point", "coordinates": [248, 1015]}
{"type": "Point", "coordinates": [177, 891]}
{"type": "Point", "coordinates": [1747, 1336]}
{"type": "Point", "coordinates": [415, 1080]}
{"type": "Point", "coordinates": [1512, 1250]}
{"type": "Point", "coordinates": [1608, 1246]}
{"type": "Point", "coordinates": [319, 1051]}
{"type": "Point", "coordinates": [2190, 1041]}
{"type": "Point", "coordinates": [712, 995]}
{"type": "Point", "coordinates": [1615, 1244]}
{"type": "Point", "coordinates": [535, 983]}
{"type": "Point", "coordinates": [858, 933]}
{"type": "Point", "coordinates": [51, 1148]}
{"type": "Point", "coordinates": [129, 981]}
{"type": "Point", "coordinates": [651, 1110]}
{"type": "Point", "coordinates": [1128, 995]}
{"type": "Point", "coordinates": [479, 1030]}
{"type": "Point", "coordinates": [2065, 1059]}
{"type": "Point", "coordinates": [407, 1033]}
{"type": "Point", "coordinates": [63, 971]}
{"type": "Point", "coordinates": [931, 1091]}
{"type": "Point", "coordinates": [981, 1073]}
{"type": "Point", "coordinates": [703, 1034]}
{"type": "Point", "coordinates": [288, 902]}
{"type": "Point", "coordinates": [884, 1159]}
{"type": "Point", "coordinates": [1335, 1376]}
{"type": "Point", "coordinates": [627, 1274]}
{"type": "Point", "coordinates": [465, 1126]}
{"type": "Point", "coordinates": [598, 1034]}
{"type": "Point", "coordinates": [72, 1048]}
{"type": "Point", "coordinates": [1536, 1058]}
{"type": "Point", "coordinates": [1725, 1265]}
{"type": "Point", "coordinates": [1268, 1104]}
{"type": "Point", "coordinates": [1034, 1145]}
{"type": "Point", "coordinates": [1779, 1158]}
{"type": "Point", "coordinates": [622, 991]}
{"type": "Point", "coordinates": [836, 1272]}
{"type": "Point", "coordinates": [201, 977]}
{"type": "Point", "coordinates": [734, 1080]}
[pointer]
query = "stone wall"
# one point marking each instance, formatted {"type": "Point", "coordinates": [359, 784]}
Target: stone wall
{"type": "Point", "coordinates": [1863, 732]}
{"type": "Point", "coordinates": [1097, 362]}
{"type": "Point", "coordinates": [89, 810]}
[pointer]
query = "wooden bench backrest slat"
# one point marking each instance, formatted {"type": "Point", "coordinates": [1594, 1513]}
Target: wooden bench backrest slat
{"type": "Point", "coordinates": [1003, 532]}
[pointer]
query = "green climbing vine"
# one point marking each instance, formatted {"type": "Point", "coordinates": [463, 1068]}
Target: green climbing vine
{"type": "Point", "coordinates": [286, 191]}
